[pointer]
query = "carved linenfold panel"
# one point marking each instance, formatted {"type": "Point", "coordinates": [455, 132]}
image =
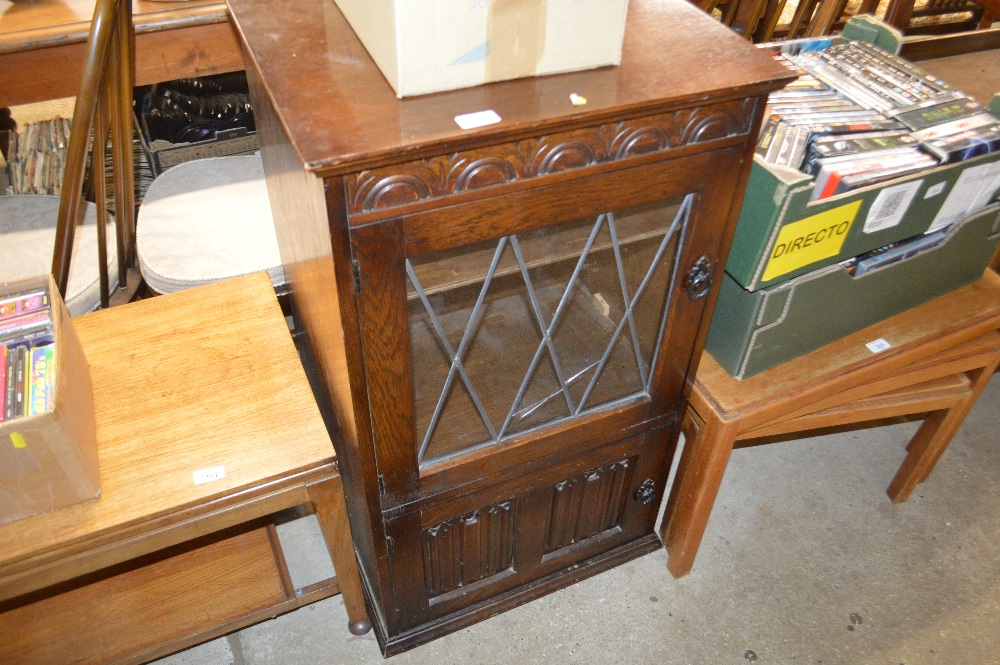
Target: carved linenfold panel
{"type": "Point", "coordinates": [587, 504]}
{"type": "Point", "coordinates": [401, 184]}
{"type": "Point", "coordinates": [469, 548]}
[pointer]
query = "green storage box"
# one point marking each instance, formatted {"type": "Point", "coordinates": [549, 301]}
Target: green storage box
{"type": "Point", "coordinates": [753, 331]}
{"type": "Point", "coordinates": [781, 234]}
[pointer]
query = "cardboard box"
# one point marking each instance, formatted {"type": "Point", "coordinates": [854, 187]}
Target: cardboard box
{"type": "Point", "coordinates": [163, 154]}
{"type": "Point", "coordinates": [49, 460]}
{"type": "Point", "coordinates": [781, 234]}
{"type": "Point", "coordinates": [753, 331]}
{"type": "Point", "coordinates": [424, 46]}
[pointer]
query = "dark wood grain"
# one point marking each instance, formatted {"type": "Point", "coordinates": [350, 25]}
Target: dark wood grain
{"type": "Point", "coordinates": [534, 498]}
{"type": "Point", "coordinates": [362, 182]}
{"type": "Point", "coordinates": [558, 152]}
{"type": "Point", "coordinates": [925, 48]}
{"type": "Point", "coordinates": [379, 256]}
{"type": "Point", "coordinates": [327, 314]}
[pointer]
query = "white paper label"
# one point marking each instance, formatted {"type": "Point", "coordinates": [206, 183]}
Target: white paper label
{"type": "Point", "coordinates": [890, 205]}
{"type": "Point", "coordinates": [934, 190]}
{"type": "Point", "coordinates": [878, 346]}
{"type": "Point", "coordinates": [477, 119]}
{"type": "Point", "coordinates": [973, 190]}
{"type": "Point", "coordinates": [202, 476]}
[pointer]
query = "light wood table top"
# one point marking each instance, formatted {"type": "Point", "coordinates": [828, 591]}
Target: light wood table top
{"type": "Point", "coordinates": [942, 354]}
{"type": "Point", "coordinates": [41, 44]}
{"type": "Point", "coordinates": [941, 323]}
{"type": "Point", "coordinates": [221, 388]}
{"type": "Point", "coordinates": [40, 23]}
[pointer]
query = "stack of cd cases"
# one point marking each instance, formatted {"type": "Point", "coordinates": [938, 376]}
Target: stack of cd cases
{"type": "Point", "coordinates": [857, 116]}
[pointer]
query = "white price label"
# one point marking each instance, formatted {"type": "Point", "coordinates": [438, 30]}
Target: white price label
{"type": "Point", "coordinates": [878, 346]}
{"type": "Point", "coordinates": [477, 119]}
{"type": "Point", "coordinates": [934, 190]}
{"type": "Point", "coordinates": [890, 206]}
{"type": "Point", "coordinates": [202, 476]}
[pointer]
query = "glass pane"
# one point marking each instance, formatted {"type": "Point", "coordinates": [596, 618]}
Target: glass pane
{"type": "Point", "coordinates": [512, 334]}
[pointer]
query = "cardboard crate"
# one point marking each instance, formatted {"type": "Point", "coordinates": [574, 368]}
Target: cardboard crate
{"type": "Point", "coordinates": [163, 154]}
{"type": "Point", "coordinates": [49, 460]}
{"type": "Point", "coordinates": [781, 234]}
{"type": "Point", "coordinates": [753, 331]}
{"type": "Point", "coordinates": [424, 46]}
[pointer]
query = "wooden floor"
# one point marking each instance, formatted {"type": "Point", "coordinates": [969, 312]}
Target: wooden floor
{"type": "Point", "coordinates": [976, 74]}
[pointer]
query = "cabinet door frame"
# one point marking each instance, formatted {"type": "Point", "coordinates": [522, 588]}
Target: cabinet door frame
{"type": "Point", "coordinates": [379, 252]}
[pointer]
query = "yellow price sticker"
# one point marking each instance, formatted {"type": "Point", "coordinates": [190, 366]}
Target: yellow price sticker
{"type": "Point", "coordinates": [810, 240]}
{"type": "Point", "coordinates": [18, 440]}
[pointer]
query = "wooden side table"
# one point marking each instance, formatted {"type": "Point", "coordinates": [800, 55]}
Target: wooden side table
{"type": "Point", "coordinates": [42, 45]}
{"type": "Point", "coordinates": [205, 379]}
{"type": "Point", "coordinates": [942, 355]}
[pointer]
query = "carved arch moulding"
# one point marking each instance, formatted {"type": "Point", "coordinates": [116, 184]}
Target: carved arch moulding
{"type": "Point", "coordinates": [445, 175]}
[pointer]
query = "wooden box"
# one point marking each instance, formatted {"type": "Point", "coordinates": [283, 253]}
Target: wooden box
{"type": "Point", "coordinates": [49, 460]}
{"type": "Point", "coordinates": [506, 317]}
{"type": "Point", "coordinates": [162, 154]}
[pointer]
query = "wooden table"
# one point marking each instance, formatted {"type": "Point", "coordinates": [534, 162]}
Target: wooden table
{"type": "Point", "coordinates": [203, 379]}
{"type": "Point", "coordinates": [42, 44]}
{"type": "Point", "coordinates": [942, 355]}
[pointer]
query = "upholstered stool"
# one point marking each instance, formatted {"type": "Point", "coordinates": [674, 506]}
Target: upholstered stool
{"type": "Point", "coordinates": [27, 236]}
{"type": "Point", "coordinates": [204, 221]}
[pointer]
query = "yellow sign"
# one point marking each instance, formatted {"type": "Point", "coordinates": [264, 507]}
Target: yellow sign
{"type": "Point", "coordinates": [810, 240]}
{"type": "Point", "coordinates": [18, 440]}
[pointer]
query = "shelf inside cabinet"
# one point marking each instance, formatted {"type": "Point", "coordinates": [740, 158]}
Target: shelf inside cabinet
{"type": "Point", "coordinates": [538, 327]}
{"type": "Point", "coordinates": [464, 266]}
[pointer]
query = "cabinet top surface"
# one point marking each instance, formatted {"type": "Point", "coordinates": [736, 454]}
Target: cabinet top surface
{"type": "Point", "coordinates": [341, 115]}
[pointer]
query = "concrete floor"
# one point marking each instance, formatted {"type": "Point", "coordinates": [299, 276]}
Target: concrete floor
{"type": "Point", "coordinates": [805, 561]}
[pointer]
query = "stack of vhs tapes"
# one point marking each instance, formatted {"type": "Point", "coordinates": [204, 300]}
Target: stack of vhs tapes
{"type": "Point", "coordinates": [858, 116]}
{"type": "Point", "coordinates": [38, 157]}
{"type": "Point", "coordinates": [27, 363]}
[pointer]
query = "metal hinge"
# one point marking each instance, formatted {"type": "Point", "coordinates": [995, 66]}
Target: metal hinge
{"type": "Point", "coordinates": [381, 484]}
{"type": "Point", "coordinates": [390, 545]}
{"type": "Point", "coordinates": [356, 268]}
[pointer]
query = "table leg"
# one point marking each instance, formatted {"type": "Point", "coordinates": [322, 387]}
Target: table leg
{"type": "Point", "coordinates": [707, 446]}
{"type": "Point", "coordinates": [933, 437]}
{"type": "Point", "coordinates": [328, 498]}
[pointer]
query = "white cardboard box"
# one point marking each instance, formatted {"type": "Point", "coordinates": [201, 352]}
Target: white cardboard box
{"type": "Point", "coordinates": [425, 46]}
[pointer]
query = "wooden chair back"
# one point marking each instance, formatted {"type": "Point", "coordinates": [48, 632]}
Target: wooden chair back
{"type": "Point", "coordinates": [901, 15]}
{"type": "Point", "coordinates": [103, 108]}
{"type": "Point", "coordinates": [758, 20]}
{"type": "Point", "coordinates": [814, 18]}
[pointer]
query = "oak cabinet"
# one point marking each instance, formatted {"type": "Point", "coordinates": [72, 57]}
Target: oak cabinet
{"type": "Point", "coordinates": [505, 320]}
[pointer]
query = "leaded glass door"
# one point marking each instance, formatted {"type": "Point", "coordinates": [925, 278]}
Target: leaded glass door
{"type": "Point", "coordinates": [503, 330]}
{"type": "Point", "coordinates": [530, 329]}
